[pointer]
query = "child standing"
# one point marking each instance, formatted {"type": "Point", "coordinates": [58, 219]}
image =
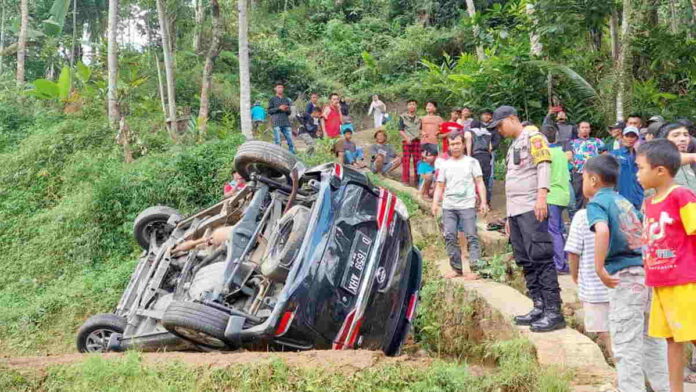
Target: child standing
{"type": "Point", "coordinates": [558, 197]}
{"type": "Point", "coordinates": [430, 124]}
{"type": "Point", "coordinates": [619, 265]}
{"type": "Point", "coordinates": [456, 181]}
{"type": "Point", "coordinates": [670, 255]}
{"type": "Point", "coordinates": [426, 171]}
{"type": "Point", "coordinates": [592, 293]}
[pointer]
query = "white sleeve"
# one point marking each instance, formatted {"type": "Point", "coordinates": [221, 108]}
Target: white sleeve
{"type": "Point", "coordinates": [476, 169]}
{"type": "Point", "coordinates": [441, 173]}
{"type": "Point", "coordinates": [575, 241]}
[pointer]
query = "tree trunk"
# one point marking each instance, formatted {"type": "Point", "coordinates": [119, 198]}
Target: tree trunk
{"type": "Point", "coordinates": [614, 33]}
{"type": "Point", "coordinates": [2, 37]}
{"type": "Point", "coordinates": [168, 67]}
{"type": "Point", "coordinates": [535, 46]}
{"type": "Point", "coordinates": [213, 51]}
{"type": "Point", "coordinates": [471, 8]}
{"type": "Point", "coordinates": [199, 17]}
{"type": "Point", "coordinates": [112, 64]}
{"type": "Point", "coordinates": [22, 40]}
{"type": "Point", "coordinates": [123, 138]}
{"type": "Point", "coordinates": [674, 17]}
{"type": "Point", "coordinates": [160, 86]}
{"type": "Point", "coordinates": [74, 34]}
{"type": "Point", "coordinates": [693, 10]}
{"type": "Point", "coordinates": [244, 79]}
{"type": "Point", "coordinates": [622, 62]}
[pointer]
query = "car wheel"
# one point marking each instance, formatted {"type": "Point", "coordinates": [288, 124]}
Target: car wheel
{"type": "Point", "coordinates": [93, 336]}
{"type": "Point", "coordinates": [197, 323]}
{"type": "Point", "coordinates": [153, 219]}
{"type": "Point", "coordinates": [267, 159]}
{"type": "Point", "coordinates": [285, 243]}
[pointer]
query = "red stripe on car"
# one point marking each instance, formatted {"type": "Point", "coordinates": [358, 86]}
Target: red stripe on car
{"type": "Point", "coordinates": [343, 332]}
{"type": "Point", "coordinates": [410, 312]}
{"type": "Point", "coordinates": [284, 324]}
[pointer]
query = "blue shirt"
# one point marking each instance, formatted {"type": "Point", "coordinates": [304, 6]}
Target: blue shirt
{"type": "Point", "coordinates": [625, 229]}
{"type": "Point", "coordinates": [628, 185]}
{"type": "Point", "coordinates": [258, 113]}
{"type": "Point", "coordinates": [422, 169]}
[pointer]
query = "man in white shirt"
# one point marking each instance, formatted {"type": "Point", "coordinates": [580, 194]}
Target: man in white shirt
{"type": "Point", "coordinates": [455, 181]}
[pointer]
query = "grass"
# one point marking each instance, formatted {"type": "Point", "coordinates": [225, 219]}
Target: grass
{"type": "Point", "coordinates": [130, 373]}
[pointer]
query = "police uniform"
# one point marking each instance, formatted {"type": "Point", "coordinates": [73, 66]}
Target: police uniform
{"type": "Point", "coordinates": [528, 170]}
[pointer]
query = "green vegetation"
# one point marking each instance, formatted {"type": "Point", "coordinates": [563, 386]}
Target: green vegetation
{"type": "Point", "coordinates": [130, 373]}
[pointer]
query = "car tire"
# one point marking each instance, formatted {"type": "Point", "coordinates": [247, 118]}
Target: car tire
{"type": "Point", "coordinates": [152, 218]}
{"type": "Point", "coordinates": [285, 243]}
{"type": "Point", "coordinates": [267, 159]}
{"type": "Point", "coordinates": [93, 335]}
{"type": "Point", "coordinates": [201, 324]}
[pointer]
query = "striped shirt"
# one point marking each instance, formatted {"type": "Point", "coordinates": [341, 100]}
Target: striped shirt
{"type": "Point", "coordinates": [581, 242]}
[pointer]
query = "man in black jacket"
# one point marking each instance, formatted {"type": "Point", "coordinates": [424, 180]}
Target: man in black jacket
{"type": "Point", "coordinates": [279, 109]}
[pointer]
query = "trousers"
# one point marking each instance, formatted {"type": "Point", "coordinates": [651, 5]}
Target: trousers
{"type": "Point", "coordinates": [556, 230]}
{"type": "Point", "coordinates": [287, 133]}
{"type": "Point", "coordinates": [460, 221]}
{"type": "Point", "coordinates": [532, 247]}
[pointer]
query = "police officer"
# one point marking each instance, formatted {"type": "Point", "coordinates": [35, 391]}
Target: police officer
{"type": "Point", "coordinates": [526, 186]}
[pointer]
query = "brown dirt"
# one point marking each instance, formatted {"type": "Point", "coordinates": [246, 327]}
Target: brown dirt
{"type": "Point", "coordinates": [346, 362]}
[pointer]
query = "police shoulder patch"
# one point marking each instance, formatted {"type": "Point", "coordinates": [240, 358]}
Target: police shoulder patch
{"type": "Point", "coordinates": [539, 148]}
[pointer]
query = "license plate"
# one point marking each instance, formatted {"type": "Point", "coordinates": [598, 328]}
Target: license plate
{"type": "Point", "coordinates": [356, 263]}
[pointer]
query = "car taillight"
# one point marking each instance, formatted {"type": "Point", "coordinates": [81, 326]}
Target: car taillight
{"type": "Point", "coordinates": [348, 334]}
{"type": "Point", "coordinates": [411, 310]}
{"type": "Point", "coordinates": [284, 324]}
{"type": "Point", "coordinates": [338, 171]}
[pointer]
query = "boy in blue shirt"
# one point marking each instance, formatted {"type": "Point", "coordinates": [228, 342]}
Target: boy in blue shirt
{"type": "Point", "coordinates": [258, 115]}
{"type": "Point", "coordinates": [619, 265]}
{"type": "Point", "coordinates": [628, 185]}
{"type": "Point", "coordinates": [426, 170]}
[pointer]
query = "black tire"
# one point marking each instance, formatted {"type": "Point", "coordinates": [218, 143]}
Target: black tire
{"type": "Point", "coordinates": [197, 323]}
{"type": "Point", "coordinates": [267, 159]}
{"type": "Point", "coordinates": [93, 335]}
{"type": "Point", "coordinates": [153, 218]}
{"type": "Point", "coordinates": [285, 243]}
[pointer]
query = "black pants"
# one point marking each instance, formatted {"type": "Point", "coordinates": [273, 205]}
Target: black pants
{"type": "Point", "coordinates": [532, 248]}
{"type": "Point", "coordinates": [484, 160]}
{"type": "Point", "coordinates": [576, 181]}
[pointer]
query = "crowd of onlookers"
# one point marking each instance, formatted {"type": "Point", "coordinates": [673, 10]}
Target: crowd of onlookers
{"type": "Point", "coordinates": [630, 199]}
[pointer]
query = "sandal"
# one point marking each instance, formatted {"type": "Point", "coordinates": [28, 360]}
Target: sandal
{"type": "Point", "coordinates": [691, 378]}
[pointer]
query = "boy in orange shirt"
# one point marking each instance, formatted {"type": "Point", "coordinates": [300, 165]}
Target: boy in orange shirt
{"type": "Point", "coordinates": [669, 258]}
{"type": "Point", "coordinates": [430, 124]}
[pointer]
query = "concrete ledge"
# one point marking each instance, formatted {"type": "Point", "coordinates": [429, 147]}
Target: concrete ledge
{"type": "Point", "coordinates": [566, 348]}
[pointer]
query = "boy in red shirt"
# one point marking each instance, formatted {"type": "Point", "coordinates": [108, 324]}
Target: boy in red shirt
{"type": "Point", "coordinates": [669, 257]}
{"type": "Point", "coordinates": [449, 126]}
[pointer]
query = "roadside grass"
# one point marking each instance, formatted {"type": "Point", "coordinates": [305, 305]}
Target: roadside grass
{"type": "Point", "coordinates": [131, 373]}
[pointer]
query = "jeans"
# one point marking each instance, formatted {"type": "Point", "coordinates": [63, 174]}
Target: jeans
{"type": "Point", "coordinates": [350, 157]}
{"type": "Point", "coordinates": [556, 230]}
{"type": "Point", "coordinates": [287, 133]}
{"type": "Point", "coordinates": [460, 221]}
{"type": "Point", "coordinates": [576, 184]}
{"type": "Point", "coordinates": [532, 248]}
{"type": "Point", "coordinates": [636, 354]}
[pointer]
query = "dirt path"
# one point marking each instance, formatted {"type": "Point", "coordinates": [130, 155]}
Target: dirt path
{"type": "Point", "coordinates": [339, 361]}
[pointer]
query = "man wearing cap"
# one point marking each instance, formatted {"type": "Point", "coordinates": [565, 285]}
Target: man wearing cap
{"type": "Point", "coordinates": [627, 184]}
{"type": "Point", "coordinates": [616, 132]}
{"type": "Point", "coordinates": [527, 184]}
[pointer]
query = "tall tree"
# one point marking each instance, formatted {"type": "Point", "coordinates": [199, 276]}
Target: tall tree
{"type": "Point", "coordinates": [2, 37]}
{"type": "Point", "coordinates": [244, 79]}
{"type": "Point", "coordinates": [22, 40]}
{"type": "Point", "coordinates": [623, 76]}
{"type": "Point", "coordinates": [168, 67]}
{"type": "Point", "coordinates": [199, 14]}
{"type": "Point", "coordinates": [213, 51]}
{"type": "Point", "coordinates": [471, 8]}
{"type": "Point", "coordinates": [112, 65]}
{"type": "Point", "coordinates": [614, 32]}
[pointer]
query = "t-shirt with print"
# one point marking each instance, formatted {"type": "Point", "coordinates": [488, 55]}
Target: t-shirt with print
{"type": "Point", "coordinates": [625, 229]}
{"type": "Point", "coordinates": [584, 149]}
{"type": "Point", "coordinates": [670, 237]}
{"type": "Point", "coordinates": [445, 129]}
{"type": "Point", "coordinates": [581, 242]}
{"type": "Point", "coordinates": [459, 177]}
{"type": "Point", "coordinates": [383, 149]}
{"type": "Point", "coordinates": [430, 127]}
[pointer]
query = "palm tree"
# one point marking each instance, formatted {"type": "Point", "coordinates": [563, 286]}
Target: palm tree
{"type": "Point", "coordinates": [244, 79]}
